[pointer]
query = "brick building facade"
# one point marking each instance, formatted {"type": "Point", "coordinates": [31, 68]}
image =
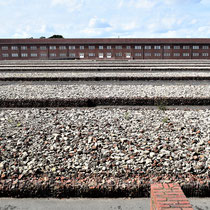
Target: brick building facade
{"type": "Point", "coordinates": [104, 49]}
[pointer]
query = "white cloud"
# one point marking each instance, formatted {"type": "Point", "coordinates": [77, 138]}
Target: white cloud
{"type": "Point", "coordinates": [170, 34]}
{"type": "Point", "coordinates": [166, 23]}
{"type": "Point", "coordinates": [121, 2]}
{"type": "Point", "coordinates": [150, 4]}
{"type": "Point", "coordinates": [144, 4]}
{"type": "Point", "coordinates": [72, 5]}
{"type": "Point", "coordinates": [96, 27]}
{"type": "Point", "coordinates": [96, 18]}
{"type": "Point", "coordinates": [178, 2]}
{"type": "Point", "coordinates": [22, 34]}
{"type": "Point", "coordinates": [98, 23]}
{"type": "Point", "coordinates": [5, 3]}
{"type": "Point", "coordinates": [42, 29]}
{"type": "Point", "coordinates": [204, 30]}
{"type": "Point", "coordinates": [27, 30]}
{"type": "Point", "coordinates": [129, 26]}
{"type": "Point", "coordinates": [92, 31]}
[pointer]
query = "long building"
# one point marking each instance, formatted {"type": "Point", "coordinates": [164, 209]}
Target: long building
{"type": "Point", "coordinates": [104, 49]}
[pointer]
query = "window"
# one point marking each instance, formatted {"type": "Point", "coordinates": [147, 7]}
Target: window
{"type": "Point", "coordinates": [128, 55]}
{"type": "Point", "coordinates": [33, 47]}
{"type": "Point", "coordinates": [14, 48]}
{"type": "Point", "coordinates": [24, 54]}
{"type": "Point", "coordinates": [167, 54]}
{"type": "Point", "coordinates": [167, 47]}
{"type": "Point", "coordinates": [147, 47]}
{"type": "Point", "coordinates": [100, 55]}
{"type": "Point", "coordinates": [62, 54]}
{"type": "Point", "coordinates": [62, 47]}
{"type": "Point", "coordinates": [118, 54]}
{"type": "Point", "coordinates": [185, 47]}
{"type": "Point", "coordinates": [5, 55]}
{"type": "Point", "coordinates": [23, 47]}
{"type": "Point", "coordinates": [205, 47]}
{"type": "Point", "coordinates": [72, 55]}
{"type": "Point", "coordinates": [157, 54]}
{"type": "Point", "coordinates": [109, 55]}
{"type": "Point", "coordinates": [91, 47]}
{"type": "Point", "coordinates": [81, 55]}
{"type": "Point", "coordinates": [72, 47]}
{"type": "Point", "coordinates": [195, 54]}
{"type": "Point", "coordinates": [128, 47]}
{"type": "Point", "coordinates": [186, 54]}
{"type": "Point", "coordinates": [109, 47]}
{"type": "Point", "coordinates": [118, 47]}
{"type": "Point", "coordinates": [195, 47]}
{"type": "Point", "coordinates": [34, 55]}
{"type": "Point", "coordinates": [4, 48]}
{"type": "Point", "coordinates": [14, 55]}
{"type": "Point", "coordinates": [52, 54]}
{"type": "Point", "coordinates": [176, 47]}
{"type": "Point", "coordinates": [81, 47]}
{"type": "Point", "coordinates": [52, 47]}
{"type": "Point", "coordinates": [205, 54]}
{"type": "Point", "coordinates": [101, 47]}
{"type": "Point", "coordinates": [137, 54]}
{"type": "Point", "coordinates": [91, 54]}
{"type": "Point", "coordinates": [176, 54]}
{"type": "Point", "coordinates": [147, 54]}
{"type": "Point", "coordinates": [157, 47]}
{"type": "Point", "coordinates": [137, 47]}
{"type": "Point", "coordinates": [43, 55]}
{"type": "Point", "coordinates": [43, 47]}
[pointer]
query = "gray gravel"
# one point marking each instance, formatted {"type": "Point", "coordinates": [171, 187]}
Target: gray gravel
{"type": "Point", "coordinates": [114, 68]}
{"type": "Point", "coordinates": [121, 147]}
{"type": "Point", "coordinates": [75, 204]}
{"type": "Point", "coordinates": [87, 74]}
{"type": "Point", "coordinates": [89, 204]}
{"type": "Point", "coordinates": [105, 91]}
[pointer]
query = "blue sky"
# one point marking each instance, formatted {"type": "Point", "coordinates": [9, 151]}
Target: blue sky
{"type": "Point", "coordinates": [105, 18]}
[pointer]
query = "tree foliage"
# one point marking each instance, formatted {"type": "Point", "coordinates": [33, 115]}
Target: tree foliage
{"type": "Point", "coordinates": [56, 36]}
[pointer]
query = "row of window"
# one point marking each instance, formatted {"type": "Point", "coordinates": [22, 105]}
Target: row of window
{"type": "Point", "coordinates": [176, 54]}
{"type": "Point", "coordinates": [101, 55]}
{"type": "Point", "coordinates": [101, 47]}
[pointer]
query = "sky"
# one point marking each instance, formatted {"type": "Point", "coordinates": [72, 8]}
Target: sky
{"type": "Point", "coordinates": [105, 18]}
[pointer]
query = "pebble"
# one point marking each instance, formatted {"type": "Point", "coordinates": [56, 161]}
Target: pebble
{"type": "Point", "coordinates": [74, 91]}
{"type": "Point", "coordinates": [102, 142]}
{"type": "Point", "coordinates": [87, 74]}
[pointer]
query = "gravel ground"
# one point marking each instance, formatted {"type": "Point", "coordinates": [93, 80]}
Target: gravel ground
{"type": "Point", "coordinates": [97, 64]}
{"type": "Point", "coordinates": [100, 148]}
{"type": "Point", "coordinates": [87, 74]}
{"type": "Point", "coordinates": [104, 91]}
{"type": "Point", "coordinates": [102, 67]}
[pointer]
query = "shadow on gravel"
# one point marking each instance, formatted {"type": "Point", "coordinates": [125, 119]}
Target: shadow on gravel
{"type": "Point", "coordinates": [55, 190]}
{"type": "Point", "coordinates": [93, 102]}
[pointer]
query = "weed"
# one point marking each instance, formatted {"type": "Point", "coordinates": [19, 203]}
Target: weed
{"type": "Point", "coordinates": [162, 107]}
{"type": "Point", "coordinates": [165, 120]}
{"type": "Point", "coordinates": [127, 115]}
{"type": "Point", "coordinates": [161, 104]}
{"type": "Point", "coordinates": [19, 124]}
{"type": "Point", "coordinates": [9, 121]}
